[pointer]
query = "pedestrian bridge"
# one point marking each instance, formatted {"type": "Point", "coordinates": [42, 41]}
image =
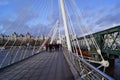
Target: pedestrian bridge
{"type": "Point", "coordinates": [42, 66]}
{"type": "Point", "coordinates": [25, 57]}
{"type": "Point", "coordinates": [55, 65]}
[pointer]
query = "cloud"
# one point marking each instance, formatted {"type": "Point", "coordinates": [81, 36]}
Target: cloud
{"type": "Point", "coordinates": [53, 18]}
{"type": "Point", "coordinates": [96, 20]}
{"type": "Point", "coordinates": [4, 2]}
{"type": "Point", "coordinates": [116, 7]}
{"type": "Point", "coordinates": [103, 18]}
{"type": "Point", "coordinates": [109, 19]}
{"type": "Point", "coordinates": [19, 25]}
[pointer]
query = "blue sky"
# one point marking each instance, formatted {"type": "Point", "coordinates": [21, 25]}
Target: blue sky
{"type": "Point", "coordinates": [38, 16]}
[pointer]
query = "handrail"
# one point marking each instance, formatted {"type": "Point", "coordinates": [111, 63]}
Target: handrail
{"type": "Point", "coordinates": [12, 57]}
{"type": "Point", "coordinates": [85, 70]}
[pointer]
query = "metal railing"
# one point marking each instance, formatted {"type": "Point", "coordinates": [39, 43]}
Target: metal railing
{"type": "Point", "coordinates": [16, 54]}
{"type": "Point", "coordinates": [85, 70]}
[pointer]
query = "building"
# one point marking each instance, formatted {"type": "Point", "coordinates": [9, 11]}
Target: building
{"type": "Point", "coordinates": [21, 37]}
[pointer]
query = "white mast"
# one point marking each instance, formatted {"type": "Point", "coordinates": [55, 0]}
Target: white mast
{"type": "Point", "coordinates": [54, 31]}
{"type": "Point", "coordinates": [62, 5]}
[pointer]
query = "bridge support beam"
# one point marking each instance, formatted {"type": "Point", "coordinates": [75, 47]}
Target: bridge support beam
{"type": "Point", "coordinates": [62, 5]}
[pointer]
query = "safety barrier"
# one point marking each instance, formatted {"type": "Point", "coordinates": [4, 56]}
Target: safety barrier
{"type": "Point", "coordinates": [85, 70]}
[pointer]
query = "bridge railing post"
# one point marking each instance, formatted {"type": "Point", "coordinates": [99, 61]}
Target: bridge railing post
{"type": "Point", "coordinates": [83, 69]}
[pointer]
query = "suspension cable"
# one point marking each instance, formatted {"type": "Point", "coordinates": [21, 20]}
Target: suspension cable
{"type": "Point", "coordinates": [79, 25]}
{"type": "Point", "coordinates": [103, 62]}
{"type": "Point", "coordinates": [75, 35]}
{"type": "Point", "coordinates": [9, 50]}
{"type": "Point", "coordinates": [22, 41]}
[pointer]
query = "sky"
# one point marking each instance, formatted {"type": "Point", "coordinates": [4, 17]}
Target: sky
{"type": "Point", "coordinates": [38, 16]}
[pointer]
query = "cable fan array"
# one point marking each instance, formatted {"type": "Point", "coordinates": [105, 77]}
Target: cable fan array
{"type": "Point", "coordinates": [87, 52]}
{"type": "Point", "coordinates": [80, 58]}
{"type": "Point", "coordinates": [19, 50]}
{"type": "Point", "coordinates": [15, 50]}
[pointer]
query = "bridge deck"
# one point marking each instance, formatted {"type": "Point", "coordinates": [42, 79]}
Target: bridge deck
{"type": "Point", "coordinates": [43, 66]}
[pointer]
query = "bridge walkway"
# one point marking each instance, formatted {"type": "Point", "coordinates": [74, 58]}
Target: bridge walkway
{"type": "Point", "coordinates": [43, 66]}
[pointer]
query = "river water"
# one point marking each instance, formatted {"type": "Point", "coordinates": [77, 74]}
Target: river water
{"type": "Point", "coordinates": [114, 68]}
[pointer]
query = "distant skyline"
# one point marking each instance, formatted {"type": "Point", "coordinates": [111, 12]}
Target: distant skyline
{"type": "Point", "coordinates": [38, 16]}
